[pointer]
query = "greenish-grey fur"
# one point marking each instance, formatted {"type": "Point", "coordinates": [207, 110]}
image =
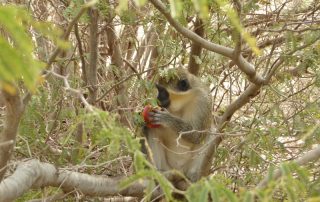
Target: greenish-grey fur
{"type": "Point", "coordinates": [189, 110]}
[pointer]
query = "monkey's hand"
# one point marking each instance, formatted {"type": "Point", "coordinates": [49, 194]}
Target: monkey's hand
{"type": "Point", "coordinates": [166, 119]}
{"type": "Point", "coordinates": [163, 117]}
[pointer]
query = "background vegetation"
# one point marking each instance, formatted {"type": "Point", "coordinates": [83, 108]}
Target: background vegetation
{"type": "Point", "coordinates": [75, 75]}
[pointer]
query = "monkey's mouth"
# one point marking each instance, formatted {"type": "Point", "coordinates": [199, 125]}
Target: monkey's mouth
{"type": "Point", "coordinates": [163, 96]}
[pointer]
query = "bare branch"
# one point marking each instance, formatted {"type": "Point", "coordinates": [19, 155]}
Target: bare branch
{"type": "Point", "coordinates": [244, 98]}
{"type": "Point", "coordinates": [308, 157]}
{"type": "Point", "coordinates": [241, 62]}
{"type": "Point", "coordinates": [237, 34]}
{"type": "Point", "coordinates": [117, 67]}
{"type": "Point", "coordinates": [35, 174]}
{"type": "Point", "coordinates": [253, 89]}
{"type": "Point", "coordinates": [14, 111]}
{"type": "Point", "coordinates": [72, 90]}
{"type": "Point", "coordinates": [193, 66]}
{"type": "Point", "coordinates": [81, 53]}
{"type": "Point", "coordinates": [92, 68]}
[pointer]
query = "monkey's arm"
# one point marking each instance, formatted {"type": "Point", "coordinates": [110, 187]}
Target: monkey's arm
{"type": "Point", "coordinates": [189, 133]}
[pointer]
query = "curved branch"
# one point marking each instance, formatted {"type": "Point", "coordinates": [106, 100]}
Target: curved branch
{"type": "Point", "coordinates": [36, 174]}
{"type": "Point", "coordinates": [14, 111]}
{"type": "Point", "coordinates": [308, 157]}
{"type": "Point", "coordinates": [244, 98]}
{"type": "Point", "coordinates": [241, 62]}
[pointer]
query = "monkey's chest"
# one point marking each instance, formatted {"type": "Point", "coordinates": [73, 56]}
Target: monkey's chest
{"type": "Point", "coordinates": [179, 154]}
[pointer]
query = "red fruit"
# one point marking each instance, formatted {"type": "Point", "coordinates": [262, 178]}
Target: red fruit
{"type": "Point", "coordinates": [145, 114]}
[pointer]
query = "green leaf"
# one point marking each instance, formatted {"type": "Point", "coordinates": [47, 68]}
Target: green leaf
{"type": "Point", "coordinates": [249, 197]}
{"type": "Point", "coordinates": [285, 169]}
{"type": "Point", "coordinates": [17, 55]}
{"type": "Point", "coordinates": [255, 159]}
{"type": "Point", "coordinates": [229, 195]}
{"type": "Point", "coordinates": [165, 185]}
{"type": "Point", "coordinates": [145, 170]}
{"type": "Point", "coordinates": [176, 7]}
{"type": "Point", "coordinates": [198, 191]}
{"type": "Point", "coordinates": [201, 6]}
{"type": "Point", "coordinates": [131, 179]}
{"type": "Point", "coordinates": [290, 192]}
{"type": "Point", "coordinates": [270, 173]}
{"type": "Point", "coordinates": [140, 2]}
{"type": "Point", "coordinates": [123, 6]}
{"type": "Point", "coordinates": [235, 22]}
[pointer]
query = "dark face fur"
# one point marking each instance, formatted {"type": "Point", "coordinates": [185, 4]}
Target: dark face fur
{"type": "Point", "coordinates": [177, 83]}
{"type": "Point", "coordinates": [163, 96]}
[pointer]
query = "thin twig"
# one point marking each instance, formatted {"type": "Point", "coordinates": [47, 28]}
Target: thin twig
{"type": "Point", "coordinates": [76, 92]}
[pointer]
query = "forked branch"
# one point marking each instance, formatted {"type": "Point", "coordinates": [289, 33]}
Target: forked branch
{"type": "Point", "coordinates": [240, 61]}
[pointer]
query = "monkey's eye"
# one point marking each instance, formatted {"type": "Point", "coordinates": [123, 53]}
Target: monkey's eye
{"type": "Point", "coordinates": [183, 85]}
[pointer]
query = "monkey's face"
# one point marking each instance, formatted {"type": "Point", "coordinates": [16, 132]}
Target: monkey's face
{"type": "Point", "coordinates": [174, 93]}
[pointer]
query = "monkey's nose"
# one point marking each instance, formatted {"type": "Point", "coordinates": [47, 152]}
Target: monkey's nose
{"type": "Point", "coordinates": [163, 96]}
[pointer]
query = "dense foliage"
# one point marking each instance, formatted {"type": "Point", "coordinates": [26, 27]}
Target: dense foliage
{"type": "Point", "coordinates": [113, 67]}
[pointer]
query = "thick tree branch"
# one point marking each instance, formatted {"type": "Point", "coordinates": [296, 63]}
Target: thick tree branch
{"type": "Point", "coordinates": [240, 61]}
{"type": "Point", "coordinates": [14, 110]}
{"type": "Point", "coordinates": [308, 157]}
{"type": "Point", "coordinates": [35, 174]}
{"type": "Point", "coordinates": [81, 54]}
{"type": "Point", "coordinates": [236, 33]}
{"type": "Point", "coordinates": [245, 66]}
{"type": "Point", "coordinates": [193, 66]}
{"type": "Point", "coordinates": [253, 89]}
{"type": "Point", "coordinates": [244, 98]}
{"type": "Point", "coordinates": [117, 68]}
{"type": "Point", "coordinates": [92, 68]}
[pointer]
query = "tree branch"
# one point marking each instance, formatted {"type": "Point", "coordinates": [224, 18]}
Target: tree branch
{"type": "Point", "coordinates": [76, 92]}
{"type": "Point", "coordinates": [193, 66]}
{"type": "Point", "coordinates": [93, 44]}
{"type": "Point", "coordinates": [117, 68]}
{"type": "Point", "coordinates": [81, 54]}
{"type": "Point", "coordinates": [236, 33]}
{"type": "Point", "coordinates": [35, 174]}
{"type": "Point", "coordinates": [244, 98]}
{"type": "Point", "coordinates": [15, 105]}
{"type": "Point", "coordinates": [308, 157]}
{"type": "Point", "coordinates": [240, 61]}
{"type": "Point", "coordinates": [14, 111]}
